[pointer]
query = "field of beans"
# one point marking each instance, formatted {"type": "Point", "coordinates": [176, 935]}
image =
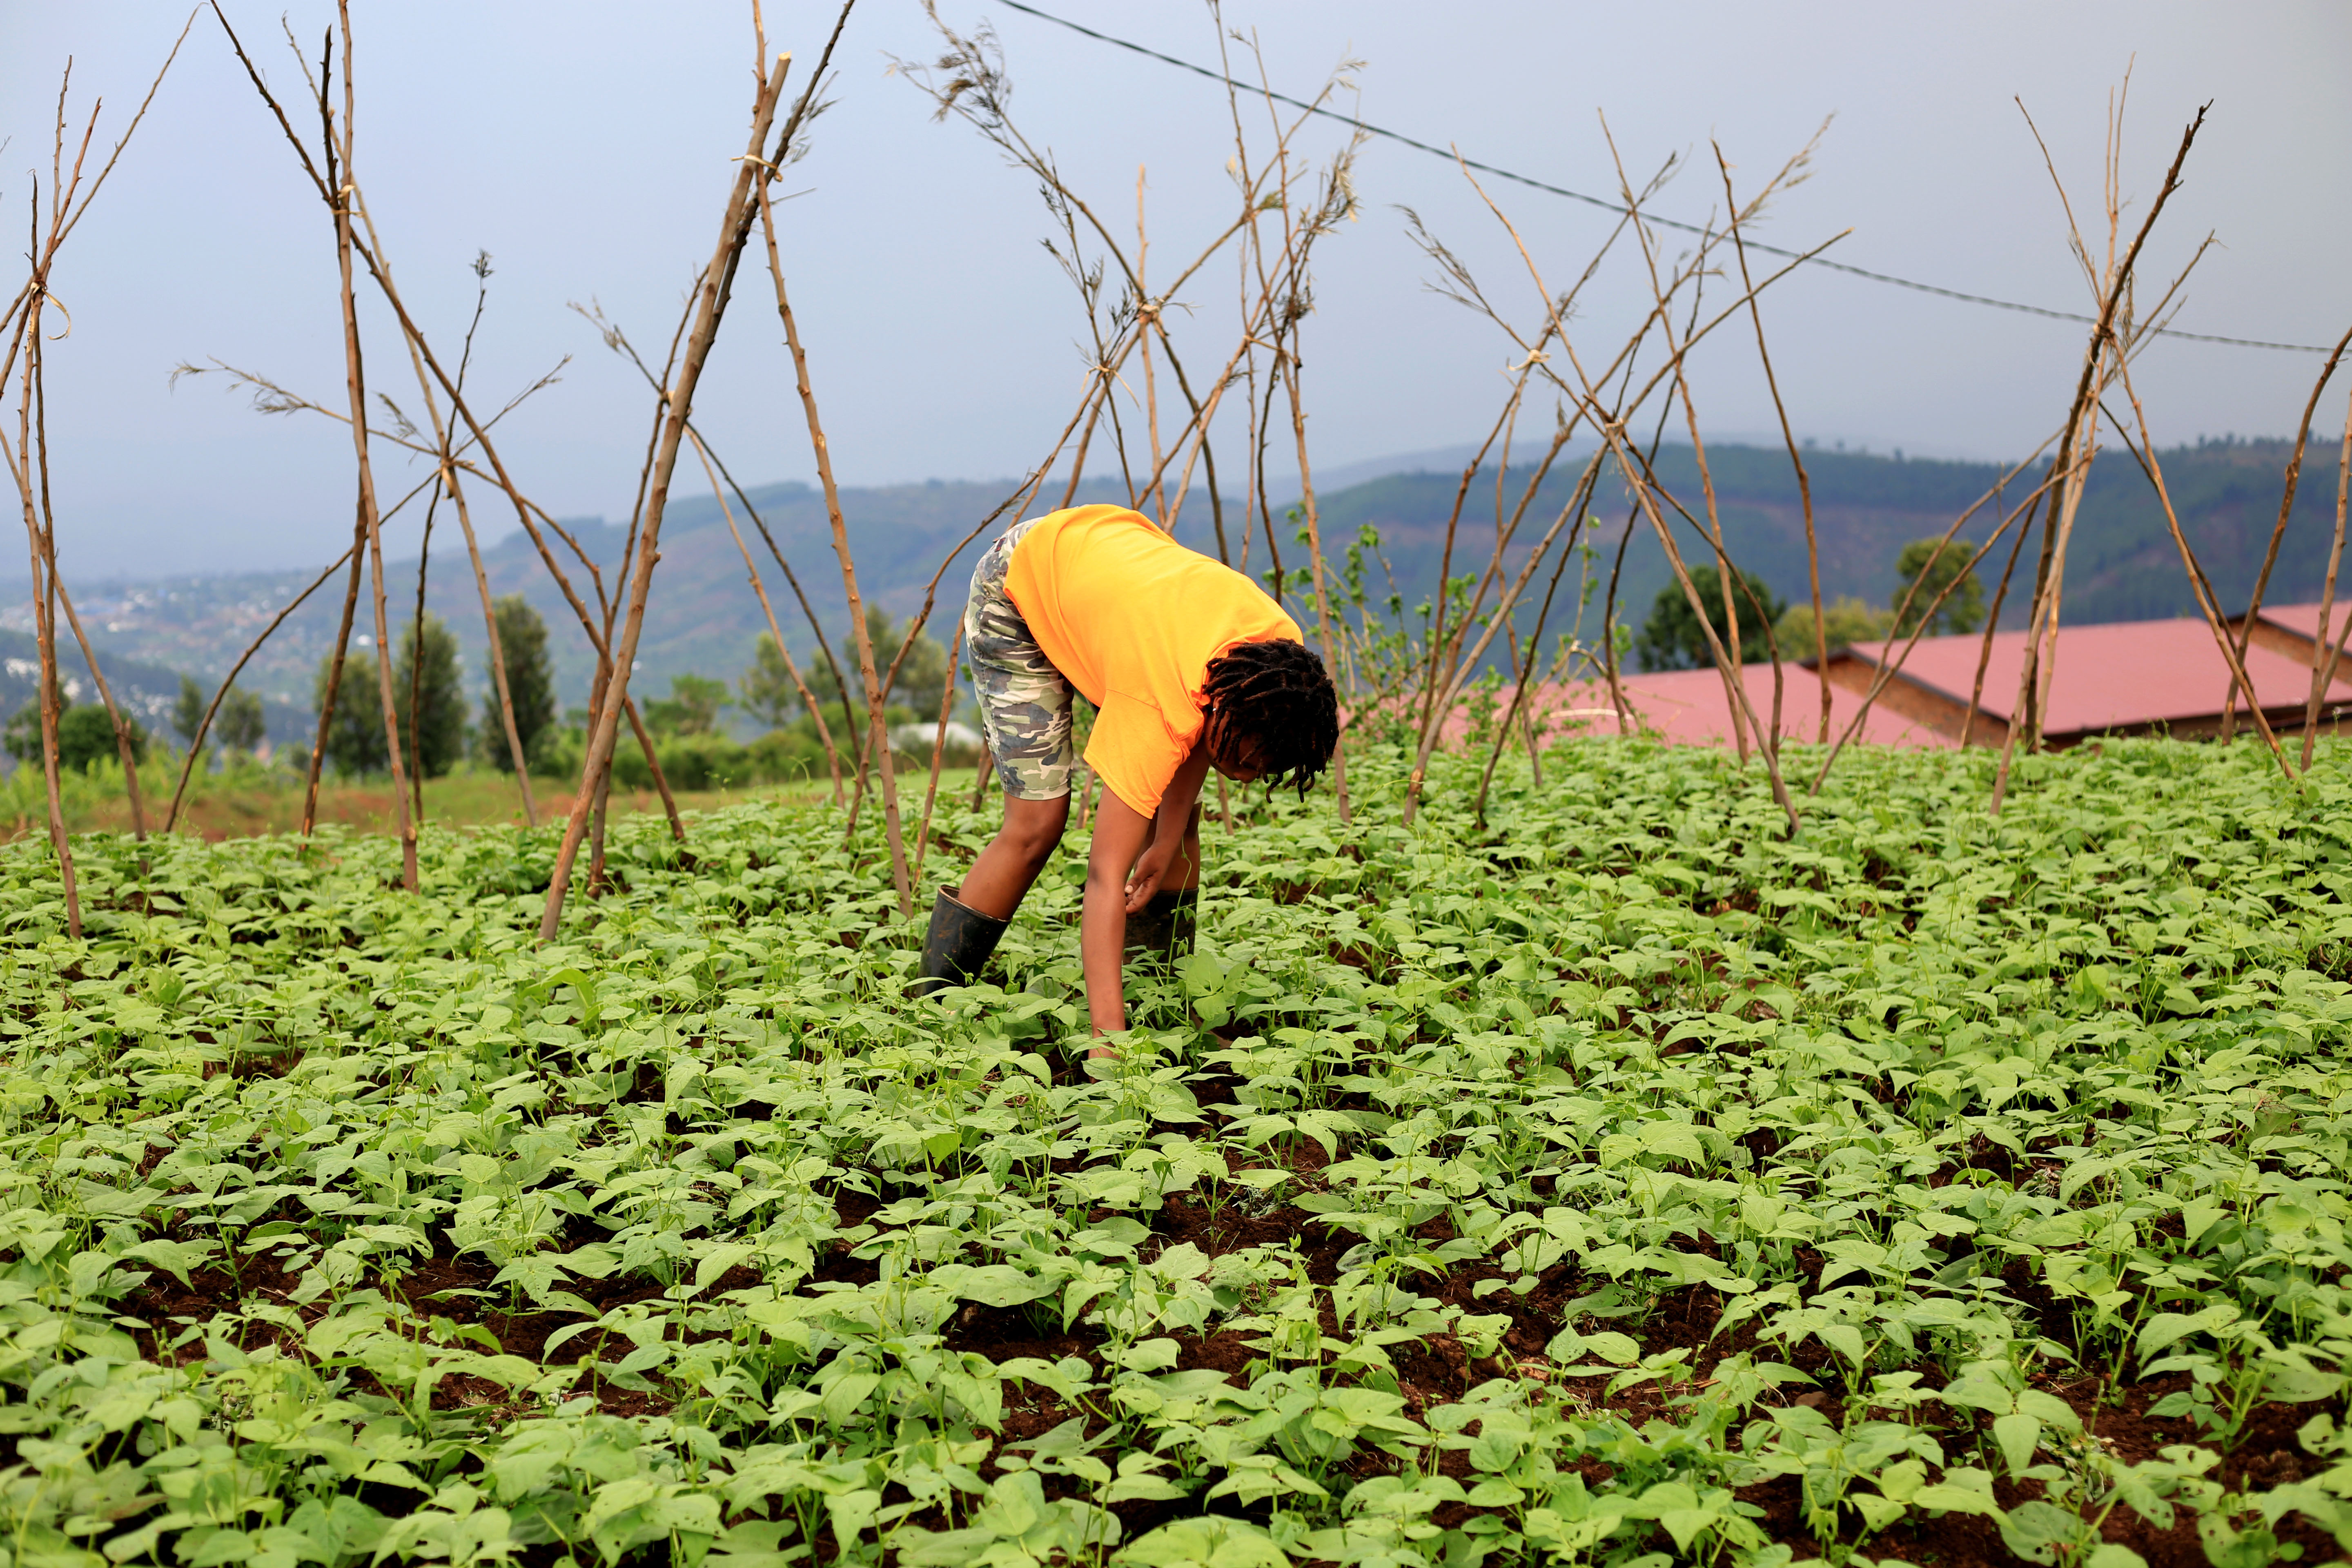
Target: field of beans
{"type": "Point", "coordinates": [1615, 1180]}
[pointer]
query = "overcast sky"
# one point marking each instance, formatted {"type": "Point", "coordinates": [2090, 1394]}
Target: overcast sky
{"type": "Point", "coordinates": [587, 146]}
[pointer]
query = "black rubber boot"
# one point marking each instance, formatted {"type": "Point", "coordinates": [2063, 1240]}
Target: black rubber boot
{"type": "Point", "coordinates": [1164, 927]}
{"type": "Point", "coordinates": [959, 942]}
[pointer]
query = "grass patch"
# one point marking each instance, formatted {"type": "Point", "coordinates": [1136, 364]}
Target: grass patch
{"type": "Point", "coordinates": [250, 800]}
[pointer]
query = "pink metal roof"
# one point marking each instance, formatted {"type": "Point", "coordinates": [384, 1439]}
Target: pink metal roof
{"type": "Point", "coordinates": [1691, 708]}
{"type": "Point", "coordinates": [2302, 620]}
{"type": "Point", "coordinates": [2109, 677]}
{"type": "Point", "coordinates": [2116, 677]}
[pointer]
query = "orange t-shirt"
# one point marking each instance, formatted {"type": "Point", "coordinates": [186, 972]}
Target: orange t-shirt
{"type": "Point", "coordinates": [1133, 619]}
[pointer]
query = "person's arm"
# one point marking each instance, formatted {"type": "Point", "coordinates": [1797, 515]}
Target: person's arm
{"type": "Point", "coordinates": [1168, 837]}
{"type": "Point", "coordinates": [1119, 833]}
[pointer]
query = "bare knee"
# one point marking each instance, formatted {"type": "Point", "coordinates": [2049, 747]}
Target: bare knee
{"type": "Point", "coordinates": [1033, 829]}
{"type": "Point", "coordinates": [1033, 846]}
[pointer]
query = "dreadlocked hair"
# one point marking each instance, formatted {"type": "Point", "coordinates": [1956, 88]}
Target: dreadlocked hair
{"type": "Point", "coordinates": [1270, 709]}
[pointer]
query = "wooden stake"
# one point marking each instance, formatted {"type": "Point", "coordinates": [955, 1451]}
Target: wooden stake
{"type": "Point", "coordinates": [938, 751]}
{"type": "Point", "coordinates": [357, 556]}
{"type": "Point", "coordinates": [449, 483]}
{"type": "Point", "coordinates": [498, 677]}
{"type": "Point", "coordinates": [1289, 368]}
{"type": "Point", "coordinates": [48, 540]}
{"type": "Point", "coordinates": [2323, 662]}
{"type": "Point", "coordinates": [204, 726]}
{"type": "Point", "coordinates": [2070, 465]}
{"type": "Point", "coordinates": [979, 784]}
{"type": "Point", "coordinates": [2199, 585]}
{"type": "Point", "coordinates": [824, 735]}
{"type": "Point", "coordinates": [2278, 530]}
{"type": "Point", "coordinates": [880, 750]}
{"type": "Point", "coordinates": [711, 305]}
{"type": "Point", "coordinates": [44, 631]}
{"type": "Point", "coordinates": [355, 382]}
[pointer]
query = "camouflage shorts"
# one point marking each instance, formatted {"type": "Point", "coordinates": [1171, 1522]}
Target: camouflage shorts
{"type": "Point", "coordinates": [1024, 701]}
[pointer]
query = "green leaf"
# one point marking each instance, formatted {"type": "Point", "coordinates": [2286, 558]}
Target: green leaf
{"type": "Point", "coordinates": [717, 1261]}
{"type": "Point", "coordinates": [996, 1283]}
{"type": "Point", "coordinates": [1213, 1540]}
{"type": "Point", "coordinates": [1878, 1512]}
{"type": "Point", "coordinates": [1145, 1355]}
{"type": "Point", "coordinates": [2294, 1381]}
{"type": "Point", "coordinates": [174, 1257]}
{"type": "Point", "coordinates": [1965, 1490]}
{"type": "Point", "coordinates": [2169, 1328]}
{"type": "Point", "coordinates": [847, 1393]}
{"type": "Point", "coordinates": [2018, 1437]}
{"type": "Point", "coordinates": [2036, 1531]}
{"type": "Point", "coordinates": [2049, 1408]}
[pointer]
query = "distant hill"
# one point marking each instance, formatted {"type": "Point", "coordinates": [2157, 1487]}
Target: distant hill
{"type": "Point", "coordinates": [2122, 563]}
{"type": "Point", "coordinates": [703, 618]}
{"type": "Point", "coordinates": [147, 690]}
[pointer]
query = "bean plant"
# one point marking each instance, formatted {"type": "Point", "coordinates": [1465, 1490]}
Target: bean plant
{"type": "Point", "coordinates": [1613, 1180]}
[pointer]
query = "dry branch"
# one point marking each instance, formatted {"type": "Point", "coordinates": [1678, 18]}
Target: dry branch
{"type": "Point", "coordinates": [823, 735]}
{"type": "Point", "coordinates": [939, 753]}
{"type": "Point", "coordinates": [1788, 437]}
{"type": "Point", "coordinates": [877, 749]}
{"type": "Point", "coordinates": [1611, 429]}
{"type": "Point", "coordinates": [204, 726]}
{"type": "Point", "coordinates": [445, 479]}
{"type": "Point", "coordinates": [355, 382]}
{"type": "Point", "coordinates": [2323, 661]}
{"type": "Point", "coordinates": [735, 227]}
{"type": "Point", "coordinates": [45, 630]}
{"type": "Point", "coordinates": [1889, 668]}
{"type": "Point", "coordinates": [2082, 426]}
{"type": "Point", "coordinates": [2199, 585]}
{"type": "Point", "coordinates": [2286, 507]}
{"type": "Point", "coordinates": [530, 515]}
{"type": "Point", "coordinates": [618, 341]}
{"type": "Point", "coordinates": [68, 203]}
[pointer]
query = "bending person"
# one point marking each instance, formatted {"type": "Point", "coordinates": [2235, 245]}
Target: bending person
{"type": "Point", "coordinates": [1190, 666]}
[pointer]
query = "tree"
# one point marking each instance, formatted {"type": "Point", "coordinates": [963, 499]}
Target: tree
{"type": "Point", "coordinates": [530, 684]}
{"type": "Point", "coordinates": [1963, 612]}
{"type": "Point", "coordinates": [921, 682]}
{"type": "Point", "coordinates": [1848, 620]}
{"type": "Point", "coordinates": [1672, 639]}
{"type": "Point", "coordinates": [85, 734]}
{"type": "Point", "coordinates": [437, 732]}
{"type": "Point", "coordinates": [188, 710]}
{"type": "Point", "coordinates": [690, 708]}
{"type": "Point", "coordinates": [355, 746]}
{"type": "Point", "coordinates": [242, 725]}
{"type": "Point", "coordinates": [765, 688]}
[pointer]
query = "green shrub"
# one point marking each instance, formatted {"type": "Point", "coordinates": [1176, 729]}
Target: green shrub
{"type": "Point", "coordinates": [85, 735]}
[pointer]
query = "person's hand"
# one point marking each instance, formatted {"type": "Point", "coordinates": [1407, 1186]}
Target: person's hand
{"type": "Point", "coordinates": [1149, 867]}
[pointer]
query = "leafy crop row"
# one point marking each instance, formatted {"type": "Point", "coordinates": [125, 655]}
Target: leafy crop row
{"type": "Point", "coordinates": [1618, 1181]}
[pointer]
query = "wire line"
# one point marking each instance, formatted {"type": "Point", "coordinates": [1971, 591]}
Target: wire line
{"type": "Point", "coordinates": [1606, 205]}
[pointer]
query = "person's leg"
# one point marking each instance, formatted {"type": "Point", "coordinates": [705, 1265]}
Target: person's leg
{"type": "Point", "coordinates": [998, 879]}
{"type": "Point", "coordinates": [1025, 712]}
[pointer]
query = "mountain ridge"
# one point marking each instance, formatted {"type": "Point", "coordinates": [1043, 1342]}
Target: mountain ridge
{"type": "Point", "coordinates": [704, 619]}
